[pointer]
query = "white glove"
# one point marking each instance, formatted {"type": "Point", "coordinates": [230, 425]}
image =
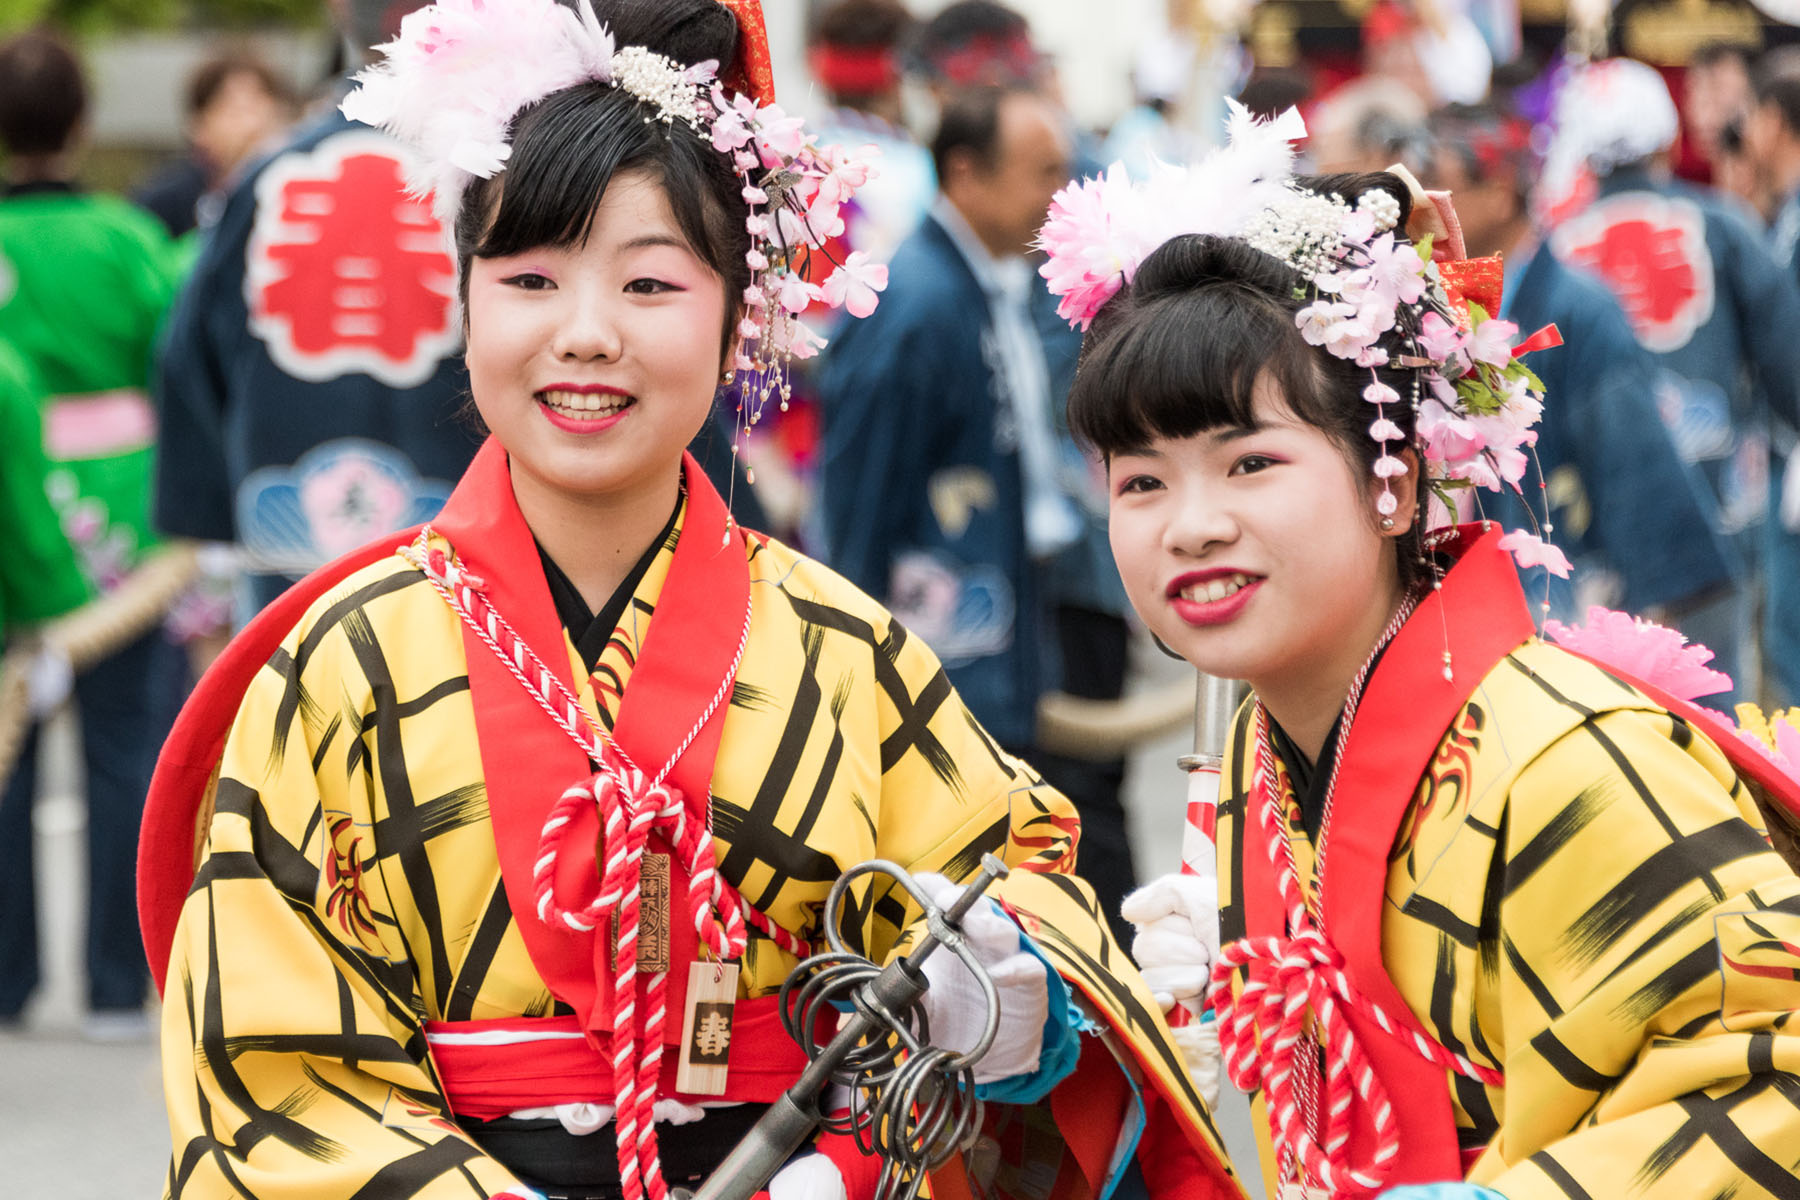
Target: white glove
{"type": "Point", "coordinates": [955, 1005]}
{"type": "Point", "coordinates": [809, 1177]}
{"type": "Point", "coordinates": [1198, 1042]}
{"type": "Point", "coordinates": [1177, 920]}
{"type": "Point", "coordinates": [49, 678]}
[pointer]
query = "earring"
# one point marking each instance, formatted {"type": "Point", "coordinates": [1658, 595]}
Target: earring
{"type": "Point", "coordinates": [727, 377]}
{"type": "Point", "coordinates": [1387, 523]}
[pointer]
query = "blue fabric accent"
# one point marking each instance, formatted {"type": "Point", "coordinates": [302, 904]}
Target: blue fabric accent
{"type": "Point", "coordinates": [1441, 1191]}
{"type": "Point", "coordinates": [1126, 1156]}
{"type": "Point", "coordinates": [1061, 1046]}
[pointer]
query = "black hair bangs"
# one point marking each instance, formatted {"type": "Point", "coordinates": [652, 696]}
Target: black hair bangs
{"type": "Point", "coordinates": [1185, 363]}
{"type": "Point", "coordinates": [566, 151]}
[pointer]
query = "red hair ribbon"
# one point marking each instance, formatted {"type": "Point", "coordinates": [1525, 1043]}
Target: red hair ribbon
{"type": "Point", "coordinates": [1543, 339]}
{"type": "Point", "coordinates": [751, 74]}
{"type": "Point", "coordinates": [854, 70]}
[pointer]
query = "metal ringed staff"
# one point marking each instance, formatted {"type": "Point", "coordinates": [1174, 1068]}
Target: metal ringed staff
{"type": "Point", "coordinates": [912, 1103]}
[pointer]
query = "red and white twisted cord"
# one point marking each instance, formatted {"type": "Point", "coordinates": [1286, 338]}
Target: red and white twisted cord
{"type": "Point", "coordinates": [1263, 1031]}
{"type": "Point", "coordinates": [462, 591]}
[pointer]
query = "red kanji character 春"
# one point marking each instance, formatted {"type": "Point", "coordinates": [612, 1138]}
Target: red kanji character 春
{"type": "Point", "coordinates": [1651, 251]}
{"type": "Point", "coordinates": [345, 272]}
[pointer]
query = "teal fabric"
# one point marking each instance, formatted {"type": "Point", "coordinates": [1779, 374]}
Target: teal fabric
{"type": "Point", "coordinates": [1061, 1045]}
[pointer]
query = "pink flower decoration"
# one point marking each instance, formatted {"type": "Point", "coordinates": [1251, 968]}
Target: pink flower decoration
{"type": "Point", "coordinates": [854, 284]}
{"type": "Point", "coordinates": [1380, 393]}
{"type": "Point", "coordinates": [1491, 342]}
{"type": "Point", "coordinates": [1385, 430]}
{"type": "Point", "coordinates": [1654, 653]}
{"type": "Point", "coordinates": [794, 293]}
{"type": "Point", "coordinates": [1438, 337]}
{"type": "Point", "coordinates": [844, 174]}
{"type": "Point", "coordinates": [1089, 244]}
{"type": "Point", "coordinates": [1529, 550]}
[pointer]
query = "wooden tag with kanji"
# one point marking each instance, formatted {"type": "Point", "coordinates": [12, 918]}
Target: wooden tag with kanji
{"type": "Point", "coordinates": [706, 1028]}
{"type": "Point", "coordinates": [653, 915]}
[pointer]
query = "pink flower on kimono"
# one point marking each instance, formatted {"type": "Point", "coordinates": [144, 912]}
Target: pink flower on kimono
{"type": "Point", "coordinates": [1642, 649]}
{"type": "Point", "coordinates": [854, 284]}
{"type": "Point", "coordinates": [1529, 550]}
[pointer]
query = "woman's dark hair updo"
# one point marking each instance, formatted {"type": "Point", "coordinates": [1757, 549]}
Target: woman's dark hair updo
{"type": "Point", "coordinates": [1179, 349]}
{"type": "Point", "coordinates": [568, 147]}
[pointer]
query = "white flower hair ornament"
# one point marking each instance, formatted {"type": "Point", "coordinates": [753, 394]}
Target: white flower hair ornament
{"type": "Point", "coordinates": [1474, 402]}
{"type": "Point", "coordinates": [460, 71]}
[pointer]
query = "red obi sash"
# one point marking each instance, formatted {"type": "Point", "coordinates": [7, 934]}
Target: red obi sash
{"type": "Point", "coordinates": [1407, 706]}
{"type": "Point", "coordinates": [559, 1065]}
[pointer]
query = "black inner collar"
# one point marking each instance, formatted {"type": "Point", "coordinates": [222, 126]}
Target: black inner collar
{"type": "Point", "coordinates": [1310, 779]}
{"type": "Point", "coordinates": [590, 631]}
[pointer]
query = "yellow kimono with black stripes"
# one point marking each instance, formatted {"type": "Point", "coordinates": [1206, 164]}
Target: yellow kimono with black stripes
{"type": "Point", "coordinates": [350, 888]}
{"type": "Point", "coordinates": [1582, 896]}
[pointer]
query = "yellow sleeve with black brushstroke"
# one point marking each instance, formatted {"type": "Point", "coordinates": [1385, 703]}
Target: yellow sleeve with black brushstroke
{"type": "Point", "coordinates": [351, 888]}
{"type": "Point", "coordinates": [1581, 896]}
{"type": "Point", "coordinates": [295, 987]}
{"type": "Point", "coordinates": [1648, 973]}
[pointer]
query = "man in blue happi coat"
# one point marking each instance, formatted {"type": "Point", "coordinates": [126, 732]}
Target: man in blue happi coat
{"type": "Point", "coordinates": [950, 486]}
{"type": "Point", "coordinates": [1695, 278]}
{"type": "Point", "coordinates": [1637, 522]}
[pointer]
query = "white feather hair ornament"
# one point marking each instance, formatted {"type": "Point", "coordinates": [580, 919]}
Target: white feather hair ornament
{"type": "Point", "coordinates": [1101, 229]}
{"type": "Point", "coordinates": [455, 77]}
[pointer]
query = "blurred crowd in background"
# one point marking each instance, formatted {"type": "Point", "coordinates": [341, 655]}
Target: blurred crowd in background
{"type": "Point", "coordinates": [249, 362]}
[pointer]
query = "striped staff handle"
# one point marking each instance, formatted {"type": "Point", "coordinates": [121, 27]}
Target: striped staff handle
{"type": "Point", "coordinates": [1215, 703]}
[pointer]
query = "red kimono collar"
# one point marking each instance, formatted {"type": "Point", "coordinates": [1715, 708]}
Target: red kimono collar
{"type": "Point", "coordinates": [1478, 616]}
{"type": "Point", "coordinates": [528, 760]}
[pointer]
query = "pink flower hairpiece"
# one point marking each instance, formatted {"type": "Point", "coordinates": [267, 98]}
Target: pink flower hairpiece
{"type": "Point", "coordinates": [451, 84]}
{"type": "Point", "coordinates": [1369, 287]}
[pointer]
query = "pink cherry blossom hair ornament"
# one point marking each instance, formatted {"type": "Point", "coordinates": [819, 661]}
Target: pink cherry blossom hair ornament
{"type": "Point", "coordinates": [1366, 283]}
{"type": "Point", "coordinates": [460, 71]}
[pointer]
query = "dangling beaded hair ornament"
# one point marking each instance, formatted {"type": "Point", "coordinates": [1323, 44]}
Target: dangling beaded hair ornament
{"type": "Point", "coordinates": [461, 70]}
{"type": "Point", "coordinates": [1474, 405]}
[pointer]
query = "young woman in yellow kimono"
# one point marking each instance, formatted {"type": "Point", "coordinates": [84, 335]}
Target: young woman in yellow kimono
{"type": "Point", "coordinates": [1497, 921]}
{"type": "Point", "coordinates": [451, 837]}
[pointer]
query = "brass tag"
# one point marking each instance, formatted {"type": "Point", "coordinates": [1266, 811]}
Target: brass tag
{"type": "Point", "coordinates": [706, 1028]}
{"type": "Point", "coordinates": [653, 916]}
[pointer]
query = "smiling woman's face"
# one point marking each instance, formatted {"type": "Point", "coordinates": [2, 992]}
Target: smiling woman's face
{"type": "Point", "coordinates": [594, 364]}
{"type": "Point", "coordinates": [1255, 554]}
